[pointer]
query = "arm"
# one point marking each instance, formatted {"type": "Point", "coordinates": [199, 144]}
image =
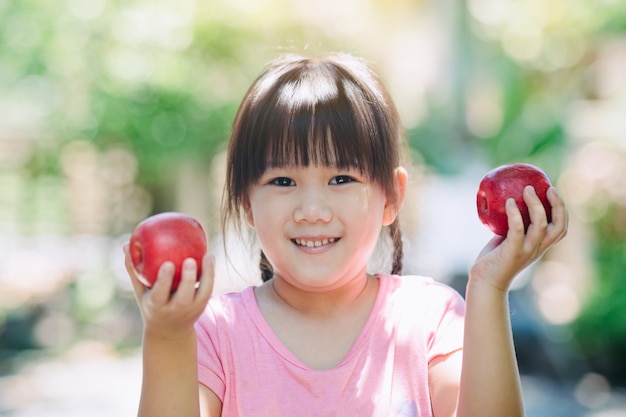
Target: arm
{"type": "Point", "coordinates": [170, 386]}
{"type": "Point", "coordinates": [490, 384]}
{"type": "Point", "coordinates": [210, 403]}
{"type": "Point", "coordinates": [170, 376]}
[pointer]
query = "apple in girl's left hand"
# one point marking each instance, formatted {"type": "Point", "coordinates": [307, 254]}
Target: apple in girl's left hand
{"type": "Point", "coordinates": [509, 181]}
{"type": "Point", "coordinates": [165, 237]}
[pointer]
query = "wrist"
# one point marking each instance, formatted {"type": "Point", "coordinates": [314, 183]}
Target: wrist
{"type": "Point", "coordinates": [485, 289]}
{"type": "Point", "coordinates": [482, 280]}
{"type": "Point", "coordinates": [164, 336]}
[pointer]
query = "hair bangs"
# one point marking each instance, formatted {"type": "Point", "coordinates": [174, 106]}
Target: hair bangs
{"type": "Point", "coordinates": [327, 122]}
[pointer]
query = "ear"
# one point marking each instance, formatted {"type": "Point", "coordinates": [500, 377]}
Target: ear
{"type": "Point", "coordinates": [392, 208]}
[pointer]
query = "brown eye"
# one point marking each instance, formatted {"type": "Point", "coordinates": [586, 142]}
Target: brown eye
{"type": "Point", "coordinates": [341, 179]}
{"type": "Point", "coordinates": [283, 182]}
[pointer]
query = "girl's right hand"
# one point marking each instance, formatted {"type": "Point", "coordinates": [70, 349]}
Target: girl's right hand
{"type": "Point", "coordinates": [169, 315]}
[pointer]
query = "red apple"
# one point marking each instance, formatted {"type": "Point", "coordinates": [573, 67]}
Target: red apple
{"type": "Point", "coordinates": [509, 181]}
{"type": "Point", "coordinates": [166, 237]}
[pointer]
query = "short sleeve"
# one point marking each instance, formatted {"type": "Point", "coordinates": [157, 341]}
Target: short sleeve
{"type": "Point", "coordinates": [447, 320]}
{"type": "Point", "coordinates": [210, 369]}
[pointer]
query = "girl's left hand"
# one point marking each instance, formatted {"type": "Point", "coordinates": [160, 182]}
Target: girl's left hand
{"type": "Point", "coordinates": [503, 258]}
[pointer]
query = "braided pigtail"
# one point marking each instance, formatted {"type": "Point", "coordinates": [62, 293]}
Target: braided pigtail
{"type": "Point", "coordinates": [267, 272]}
{"type": "Point", "coordinates": [398, 249]}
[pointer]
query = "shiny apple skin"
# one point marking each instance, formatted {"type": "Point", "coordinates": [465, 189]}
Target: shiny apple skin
{"type": "Point", "coordinates": [509, 181]}
{"type": "Point", "coordinates": [169, 236]}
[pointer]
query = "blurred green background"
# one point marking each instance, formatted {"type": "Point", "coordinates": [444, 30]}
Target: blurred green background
{"type": "Point", "coordinates": [111, 111]}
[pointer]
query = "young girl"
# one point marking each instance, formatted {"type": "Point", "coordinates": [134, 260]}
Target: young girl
{"type": "Point", "coordinates": [315, 168]}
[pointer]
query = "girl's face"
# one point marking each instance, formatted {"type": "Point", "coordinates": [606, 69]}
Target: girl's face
{"type": "Point", "coordinates": [318, 225]}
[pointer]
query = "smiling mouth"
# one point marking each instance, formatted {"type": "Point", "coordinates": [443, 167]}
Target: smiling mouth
{"type": "Point", "coordinates": [314, 243]}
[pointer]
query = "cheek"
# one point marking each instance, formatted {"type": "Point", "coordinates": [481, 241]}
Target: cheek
{"type": "Point", "coordinates": [255, 209]}
{"type": "Point", "coordinates": [265, 213]}
{"type": "Point", "coordinates": [369, 202]}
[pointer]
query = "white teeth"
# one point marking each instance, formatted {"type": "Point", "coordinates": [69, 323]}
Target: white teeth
{"type": "Point", "coordinates": [314, 243]}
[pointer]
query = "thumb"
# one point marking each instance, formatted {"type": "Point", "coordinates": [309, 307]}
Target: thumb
{"type": "Point", "coordinates": [138, 287]}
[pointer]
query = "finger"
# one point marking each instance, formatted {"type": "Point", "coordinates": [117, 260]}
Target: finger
{"type": "Point", "coordinates": [538, 217]}
{"type": "Point", "coordinates": [187, 286]}
{"type": "Point", "coordinates": [161, 289]}
{"type": "Point", "coordinates": [138, 287]}
{"type": "Point", "coordinates": [560, 216]}
{"type": "Point", "coordinates": [515, 233]}
{"type": "Point", "coordinates": [207, 280]}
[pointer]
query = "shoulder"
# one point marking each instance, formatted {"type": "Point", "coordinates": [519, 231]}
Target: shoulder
{"type": "Point", "coordinates": [417, 285]}
{"type": "Point", "coordinates": [419, 293]}
{"type": "Point", "coordinates": [426, 310]}
{"type": "Point", "coordinates": [224, 309]}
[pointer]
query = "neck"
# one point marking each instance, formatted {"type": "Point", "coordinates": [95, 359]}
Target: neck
{"type": "Point", "coordinates": [323, 303]}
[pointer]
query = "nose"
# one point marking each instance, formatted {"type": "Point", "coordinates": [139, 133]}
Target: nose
{"type": "Point", "coordinates": [313, 206]}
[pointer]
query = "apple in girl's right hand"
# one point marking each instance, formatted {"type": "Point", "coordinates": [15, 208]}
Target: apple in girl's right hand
{"type": "Point", "coordinates": [509, 181]}
{"type": "Point", "coordinates": [165, 237]}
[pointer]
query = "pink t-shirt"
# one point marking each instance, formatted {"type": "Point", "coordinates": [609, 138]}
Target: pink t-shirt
{"type": "Point", "coordinates": [385, 373]}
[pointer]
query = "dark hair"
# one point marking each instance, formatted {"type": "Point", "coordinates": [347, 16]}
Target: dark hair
{"type": "Point", "coordinates": [329, 111]}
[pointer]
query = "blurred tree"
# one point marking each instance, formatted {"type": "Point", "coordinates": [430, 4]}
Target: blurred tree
{"type": "Point", "coordinates": [161, 78]}
{"type": "Point", "coordinates": [517, 67]}
{"type": "Point", "coordinates": [601, 329]}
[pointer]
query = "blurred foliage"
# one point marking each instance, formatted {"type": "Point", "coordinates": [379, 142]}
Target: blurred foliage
{"type": "Point", "coordinates": [601, 328]}
{"type": "Point", "coordinates": [517, 67]}
{"type": "Point", "coordinates": [163, 78]}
